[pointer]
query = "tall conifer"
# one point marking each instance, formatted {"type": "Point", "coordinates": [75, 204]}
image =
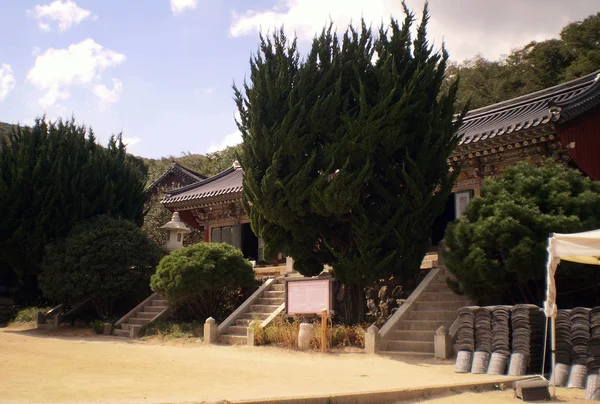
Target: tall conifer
{"type": "Point", "coordinates": [346, 152]}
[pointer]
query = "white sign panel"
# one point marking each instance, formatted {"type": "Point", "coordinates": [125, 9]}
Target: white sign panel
{"type": "Point", "coordinates": [308, 297]}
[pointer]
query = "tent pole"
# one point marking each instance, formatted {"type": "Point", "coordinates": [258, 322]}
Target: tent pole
{"type": "Point", "coordinates": [553, 376]}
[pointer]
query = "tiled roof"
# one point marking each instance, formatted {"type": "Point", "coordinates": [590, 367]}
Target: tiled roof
{"type": "Point", "coordinates": [225, 183]}
{"type": "Point", "coordinates": [558, 103]}
{"type": "Point", "coordinates": [178, 168]}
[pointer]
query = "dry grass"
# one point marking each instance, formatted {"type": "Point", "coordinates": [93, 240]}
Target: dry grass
{"type": "Point", "coordinates": [284, 333]}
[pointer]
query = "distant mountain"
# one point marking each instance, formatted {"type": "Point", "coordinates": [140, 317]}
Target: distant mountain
{"type": "Point", "coordinates": [5, 129]}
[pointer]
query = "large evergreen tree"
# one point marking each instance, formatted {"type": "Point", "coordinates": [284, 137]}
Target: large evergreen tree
{"type": "Point", "coordinates": [52, 176]}
{"type": "Point", "coordinates": [345, 153]}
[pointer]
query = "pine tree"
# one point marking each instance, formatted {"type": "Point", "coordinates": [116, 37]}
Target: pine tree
{"type": "Point", "coordinates": [345, 156]}
{"type": "Point", "coordinates": [52, 176]}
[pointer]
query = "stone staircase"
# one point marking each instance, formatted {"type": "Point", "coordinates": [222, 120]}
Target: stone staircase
{"type": "Point", "coordinates": [432, 305]}
{"type": "Point", "coordinates": [262, 306]}
{"type": "Point", "coordinates": [151, 309]}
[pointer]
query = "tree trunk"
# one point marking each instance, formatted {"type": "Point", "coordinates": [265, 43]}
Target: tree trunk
{"type": "Point", "coordinates": [354, 303]}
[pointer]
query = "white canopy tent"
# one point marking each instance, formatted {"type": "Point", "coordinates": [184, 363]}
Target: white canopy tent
{"type": "Point", "coordinates": [577, 247]}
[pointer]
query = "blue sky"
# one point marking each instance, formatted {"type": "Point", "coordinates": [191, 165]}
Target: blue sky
{"type": "Point", "coordinates": [161, 71]}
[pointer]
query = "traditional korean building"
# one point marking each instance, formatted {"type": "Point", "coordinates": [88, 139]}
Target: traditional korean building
{"type": "Point", "coordinates": [561, 121]}
{"type": "Point", "coordinates": [175, 177]}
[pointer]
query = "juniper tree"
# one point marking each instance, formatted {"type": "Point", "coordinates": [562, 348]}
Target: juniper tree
{"type": "Point", "coordinates": [345, 156]}
{"type": "Point", "coordinates": [52, 176]}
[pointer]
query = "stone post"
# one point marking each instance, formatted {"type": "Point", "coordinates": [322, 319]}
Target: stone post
{"type": "Point", "coordinates": [107, 329]}
{"type": "Point", "coordinates": [372, 340]}
{"type": "Point", "coordinates": [307, 331]}
{"type": "Point", "coordinates": [250, 340]}
{"type": "Point", "coordinates": [134, 330]}
{"type": "Point", "coordinates": [211, 332]}
{"type": "Point", "coordinates": [39, 319]}
{"type": "Point", "coordinates": [442, 343]}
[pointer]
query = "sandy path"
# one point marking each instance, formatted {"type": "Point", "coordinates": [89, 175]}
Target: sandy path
{"type": "Point", "coordinates": [40, 368]}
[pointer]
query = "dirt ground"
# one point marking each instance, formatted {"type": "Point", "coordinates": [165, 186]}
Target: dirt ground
{"type": "Point", "coordinates": [76, 366]}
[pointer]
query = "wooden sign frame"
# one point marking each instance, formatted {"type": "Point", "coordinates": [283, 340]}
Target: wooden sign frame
{"type": "Point", "coordinates": [330, 310]}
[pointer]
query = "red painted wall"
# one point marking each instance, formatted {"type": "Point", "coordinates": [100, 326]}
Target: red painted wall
{"type": "Point", "coordinates": [585, 132]}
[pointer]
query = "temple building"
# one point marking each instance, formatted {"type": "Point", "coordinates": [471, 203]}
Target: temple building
{"type": "Point", "coordinates": [561, 122]}
{"type": "Point", "coordinates": [175, 177]}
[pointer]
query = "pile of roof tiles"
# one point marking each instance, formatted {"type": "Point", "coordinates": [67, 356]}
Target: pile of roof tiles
{"type": "Point", "coordinates": [483, 340]}
{"type": "Point", "coordinates": [593, 366]}
{"type": "Point", "coordinates": [465, 339]}
{"type": "Point", "coordinates": [526, 341]}
{"type": "Point", "coordinates": [500, 339]}
{"type": "Point", "coordinates": [560, 374]}
{"type": "Point", "coordinates": [580, 336]}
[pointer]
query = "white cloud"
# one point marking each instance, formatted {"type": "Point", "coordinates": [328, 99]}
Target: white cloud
{"type": "Point", "coordinates": [230, 140]}
{"type": "Point", "coordinates": [63, 14]}
{"type": "Point", "coordinates": [179, 6]}
{"type": "Point", "coordinates": [108, 95]}
{"type": "Point", "coordinates": [131, 141]}
{"type": "Point", "coordinates": [203, 91]}
{"type": "Point", "coordinates": [35, 51]}
{"type": "Point", "coordinates": [7, 81]}
{"type": "Point", "coordinates": [56, 70]}
{"type": "Point", "coordinates": [466, 26]}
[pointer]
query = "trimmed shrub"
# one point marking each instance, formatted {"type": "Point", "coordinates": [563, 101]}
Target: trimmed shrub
{"type": "Point", "coordinates": [102, 259]}
{"type": "Point", "coordinates": [27, 314]}
{"type": "Point", "coordinates": [206, 280]}
{"type": "Point", "coordinates": [497, 250]}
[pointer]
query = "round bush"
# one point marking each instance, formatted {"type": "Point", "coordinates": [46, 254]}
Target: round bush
{"type": "Point", "coordinates": [203, 277]}
{"type": "Point", "coordinates": [102, 259]}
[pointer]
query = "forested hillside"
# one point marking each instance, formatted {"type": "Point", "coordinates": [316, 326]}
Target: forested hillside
{"type": "Point", "coordinates": [535, 66]}
{"type": "Point", "coordinates": [209, 164]}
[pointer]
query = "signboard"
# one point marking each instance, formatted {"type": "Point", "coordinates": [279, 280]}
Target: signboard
{"type": "Point", "coordinates": [461, 200]}
{"type": "Point", "coordinates": [308, 296]}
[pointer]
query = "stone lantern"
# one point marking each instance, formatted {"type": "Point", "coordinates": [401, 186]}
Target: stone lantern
{"type": "Point", "coordinates": [176, 229]}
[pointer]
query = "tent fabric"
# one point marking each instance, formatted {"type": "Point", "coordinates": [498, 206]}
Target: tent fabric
{"type": "Point", "coordinates": [576, 247]}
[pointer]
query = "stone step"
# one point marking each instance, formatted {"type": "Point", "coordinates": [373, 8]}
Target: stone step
{"type": "Point", "coordinates": [436, 306]}
{"type": "Point", "coordinates": [411, 335]}
{"type": "Point", "coordinates": [242, 322]}
{"type": "Point", "coordinates": [276, 301]}
{"type": "Point", "coordinates": [441, 296]}
{"type": "Point", "coordinates": [438, 287]}
{"type": "Point", "coordinates": [237, 330]}
{"type": "Point", "coordinates": [159, 302]}
{"type": "Point", "coordinates": [441, 315]}
{"type": "Point", "coordinates": [274, 294]}
{"type": "Point", "coordinates": [407, 354]}
{"type": "Point", "coordinates": [147, 315]}
{"type": "Point", "coordinates": [138, 321]}
{"type": "Point", "coordinates": [422, 325]}
{"type": "Point", "coordinates": [263, 308]}
{"type": "Point", "coordinates": [154, 309]}
{"type": "Point", "coordinates": [234, 339]}
{"type": "Point", "coordinates": [410, 346]}
{"type": "Point", "coordinates": [277, 287]}
{"type": "Point", "coordinates": [121, 333]}
{"type": "Point", "coordinates": [125, 326]}
{"type": "Point", "coordinates": [255, 316]}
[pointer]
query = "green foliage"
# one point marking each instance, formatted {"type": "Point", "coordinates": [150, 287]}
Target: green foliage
{"type": "Point", "coordinates": [28, 314]}
{"type": "Point", "coordinates": [52, 176]}
{"type": "Point", "coordinates": [203, 278]}
{"type": "Point", "coordinates": [157, 215]}
{"type": "Point", "coordinates": [344, 157]}
{"type": "Point", "coordinates": [498, 249]}
{"type": "Point", "coordinates": [97, 326]}
{"type": "Point", "coordinates": [102, 259]}
{"type": "Point", "coordinates": [173, 329]}
{"type": "Point", "coordinates": [208, 165]}
{"type": "Point", "coordinates": [535, 66]}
